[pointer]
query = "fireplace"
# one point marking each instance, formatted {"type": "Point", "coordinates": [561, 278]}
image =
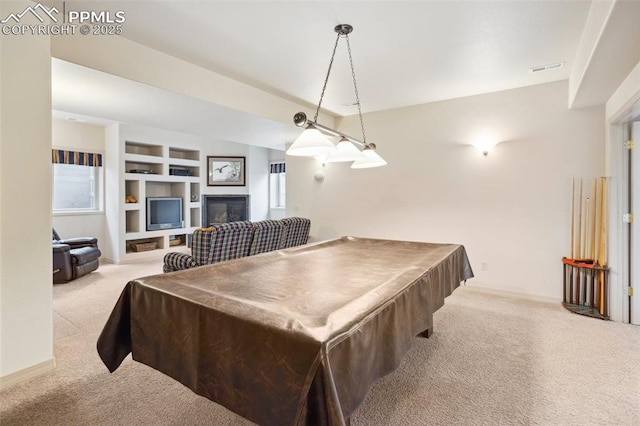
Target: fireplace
{"type": "Point", "coordinates": [224, 208]}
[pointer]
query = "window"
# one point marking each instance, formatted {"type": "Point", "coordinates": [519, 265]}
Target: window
{"type": "Point", "coordinates": [77, 182]}
{"type": "Point", "coordinates": [277, 185]}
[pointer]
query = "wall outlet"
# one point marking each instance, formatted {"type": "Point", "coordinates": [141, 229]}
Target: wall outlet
{"type": "Point", "coordinates": [484, 266]}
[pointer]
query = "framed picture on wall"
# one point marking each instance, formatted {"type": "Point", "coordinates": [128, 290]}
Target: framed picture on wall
{"type": "Point", "coordinates": [226, 171]}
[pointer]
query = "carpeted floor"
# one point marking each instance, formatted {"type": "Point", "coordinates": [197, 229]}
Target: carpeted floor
{"type": "Point", "coordinates": [491, 360]}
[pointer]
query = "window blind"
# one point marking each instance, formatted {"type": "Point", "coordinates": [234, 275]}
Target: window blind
{"type": "Point", "coordinates": [277, 168]}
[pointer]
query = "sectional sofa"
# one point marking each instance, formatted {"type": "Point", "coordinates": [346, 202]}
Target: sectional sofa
{"type": "Point", "coordinates": [232, 240]}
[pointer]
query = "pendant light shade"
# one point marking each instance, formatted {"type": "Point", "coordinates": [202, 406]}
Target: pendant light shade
{"type": "Point", "coordinates": [345, 151]}
{"type": "Point", "coordinates": [311, 143]}
{"type": "Point", "coordinates": [369, 159]}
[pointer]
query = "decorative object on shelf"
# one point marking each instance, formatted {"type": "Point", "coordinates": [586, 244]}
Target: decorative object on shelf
{"type": "Point", "coordinates": [175, 240]}
{"type": "Point", "coordinates": [585, 271]}
{"type": "Point", "coordinates": [312, 141]}
{"type": "Point", "coordinates": [195, 197]}
{"type": "Point", "coordinates": [144, 246]}
{"type": "Point", "coordinates": [131, 199]}
{"type": "Point", "coordinates": [226, 171]}
{"type": "Point", "coordinates": [143, 171]}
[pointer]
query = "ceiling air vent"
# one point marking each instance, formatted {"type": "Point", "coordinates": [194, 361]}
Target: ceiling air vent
{"type": "Point", "coordinates": [547, 67]}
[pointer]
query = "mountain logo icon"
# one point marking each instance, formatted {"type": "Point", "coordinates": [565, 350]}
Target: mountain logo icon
{"type": "Point", "coordinates": [36, 11]}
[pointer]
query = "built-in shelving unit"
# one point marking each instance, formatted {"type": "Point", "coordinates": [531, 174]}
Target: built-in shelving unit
{"type": "Point", "coordinates": [149, 165]}
{"type": "Point", "coordinates": [159, 171]}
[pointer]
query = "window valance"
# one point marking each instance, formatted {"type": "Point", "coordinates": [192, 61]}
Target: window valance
{"type": "Point", "coordinates": [277, 168]}
{"type": "Point", "coordinates": [59, 156]}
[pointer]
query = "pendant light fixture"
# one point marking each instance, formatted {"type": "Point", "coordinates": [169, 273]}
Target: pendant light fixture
{"type": "Point", "coordinates": [345, 151]}
{"type": "Point", "coordinates": [313, 142]}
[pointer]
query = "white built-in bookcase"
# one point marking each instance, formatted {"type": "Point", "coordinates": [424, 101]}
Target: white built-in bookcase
{"type": "Point", "coordinates": [131, 150]}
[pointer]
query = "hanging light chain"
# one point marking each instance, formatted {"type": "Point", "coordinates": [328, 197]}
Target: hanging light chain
{"type": "Point", "coordinates": [326, 79]}
{"type": "Point", "coordinates": [355, 86]}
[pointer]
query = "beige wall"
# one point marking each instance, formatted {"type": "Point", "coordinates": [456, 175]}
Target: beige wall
{"type": "Point", "coordinates": [26, 330]}
{"type": "Point", "coordinates": [86, 138]}
{"type": "Point", "coordinates": [510, 209]}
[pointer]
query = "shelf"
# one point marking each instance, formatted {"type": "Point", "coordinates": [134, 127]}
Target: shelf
{"type": "Point", "coordinates": [142, 234]}
{"type": "Point", "coordinates": [166, 189]}
{"type": "Point", "coordinates": [143, 149]}
{"type": "Point", "coordinates": [195, 217]}
{"type": "Point", "coordinates": [137, 158]}
{"type": "Point", "coordinates": [156, 177]}
{"type": "Point", "coordinates": [155, 168]}
{"type": "Point", "coordinates": [160, 159]}
{"type": "Point", "coordinates": [188, 171]}
{"type": "Point", "coordinates": [132, 206]}
{"type": "Point", "coordinates": [145, 244]}
{"type": "Point", "coordinates": [182, 153]}
{"type": "Point", "coordinates": [194, 192]}
{"type": "Point", "coordinates": [585, 287]}
{"type": "Point", "coordinates": [132, 221]}
{"type": "Point", "coordinates": [584, 310]}
{"type": "Point", "coordinates": [132, 188]}
{"type": "Point", "coordinates": [177, 240]}
{"type": "Point", "coordinates": [185, 163]}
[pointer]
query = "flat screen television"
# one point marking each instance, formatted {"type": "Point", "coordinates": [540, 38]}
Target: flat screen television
{"type": "Point", "coordinates": [164, 213]}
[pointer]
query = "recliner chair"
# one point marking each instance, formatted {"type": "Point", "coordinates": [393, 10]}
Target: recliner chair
{"type": "Point", "coordinates": [74, 257]}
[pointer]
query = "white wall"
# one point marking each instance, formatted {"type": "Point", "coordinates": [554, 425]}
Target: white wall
{"type": "Point", "coordinates": [82, 137]}
{"type": "Point", "coordinates": [258, 181]}
{"type": "Point", "coordinates": [599, 13]}
{"type": "Point", "coordinates": [510, 209]}
{"type": "Point", "coordinates": [26, 325]}
{"type": "Point", "coordinates": [276, 156]}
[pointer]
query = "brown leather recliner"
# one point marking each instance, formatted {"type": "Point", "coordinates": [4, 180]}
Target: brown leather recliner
{"type": "Point", "coordinates": [74, 257]}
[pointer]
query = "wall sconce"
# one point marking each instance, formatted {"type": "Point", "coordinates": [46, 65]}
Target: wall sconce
{"type": "Point", "coordinates": [484, 144]}
{"type": "Point", "coordinates": [318, 175]}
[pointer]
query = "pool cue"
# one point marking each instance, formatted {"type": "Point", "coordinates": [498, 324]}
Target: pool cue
{"type": "Point", "coordinates": [579, 248]}
{"type": "Point", "coordinates": [587, 225]}
{"type": "Point", "coordinates": [592, 303]}
{"type": "Point", "coordinates": [579, 251]}
{"type": "Point", "coordinates": [572, 241]}
{"type": "Point", "coordinates": [573, 213]}
{"type": "Point", "coordinates": [583, 282]}
{"type": "Point", "coordinates": [603, 238]}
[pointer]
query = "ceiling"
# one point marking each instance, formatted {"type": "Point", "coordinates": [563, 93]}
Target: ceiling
{"type": "Point", "coordinates": [404, 52]}
{"type": "Point", "coordinates": [83, 94]}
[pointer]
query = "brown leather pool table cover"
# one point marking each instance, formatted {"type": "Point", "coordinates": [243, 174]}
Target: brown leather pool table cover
{"type": "Point", "coordinates": [289, 337]}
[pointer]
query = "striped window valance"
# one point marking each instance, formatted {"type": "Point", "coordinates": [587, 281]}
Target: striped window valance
{"type": "Point", "coordinates": [60, 156]}
{"type": "Point", "coordinates": [277, 168]}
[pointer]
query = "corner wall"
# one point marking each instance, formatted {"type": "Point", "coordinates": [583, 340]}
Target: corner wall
{"type": "Point", "coordinates": [26, 322]}
{"type": "Point", "coordinates": [510, 209]}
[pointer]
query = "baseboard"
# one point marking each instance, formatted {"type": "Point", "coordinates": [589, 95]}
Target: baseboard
{"type": "Point", "coordinates": [515, 294]}
{"type": "Point", "coordinates": [26, 374]}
